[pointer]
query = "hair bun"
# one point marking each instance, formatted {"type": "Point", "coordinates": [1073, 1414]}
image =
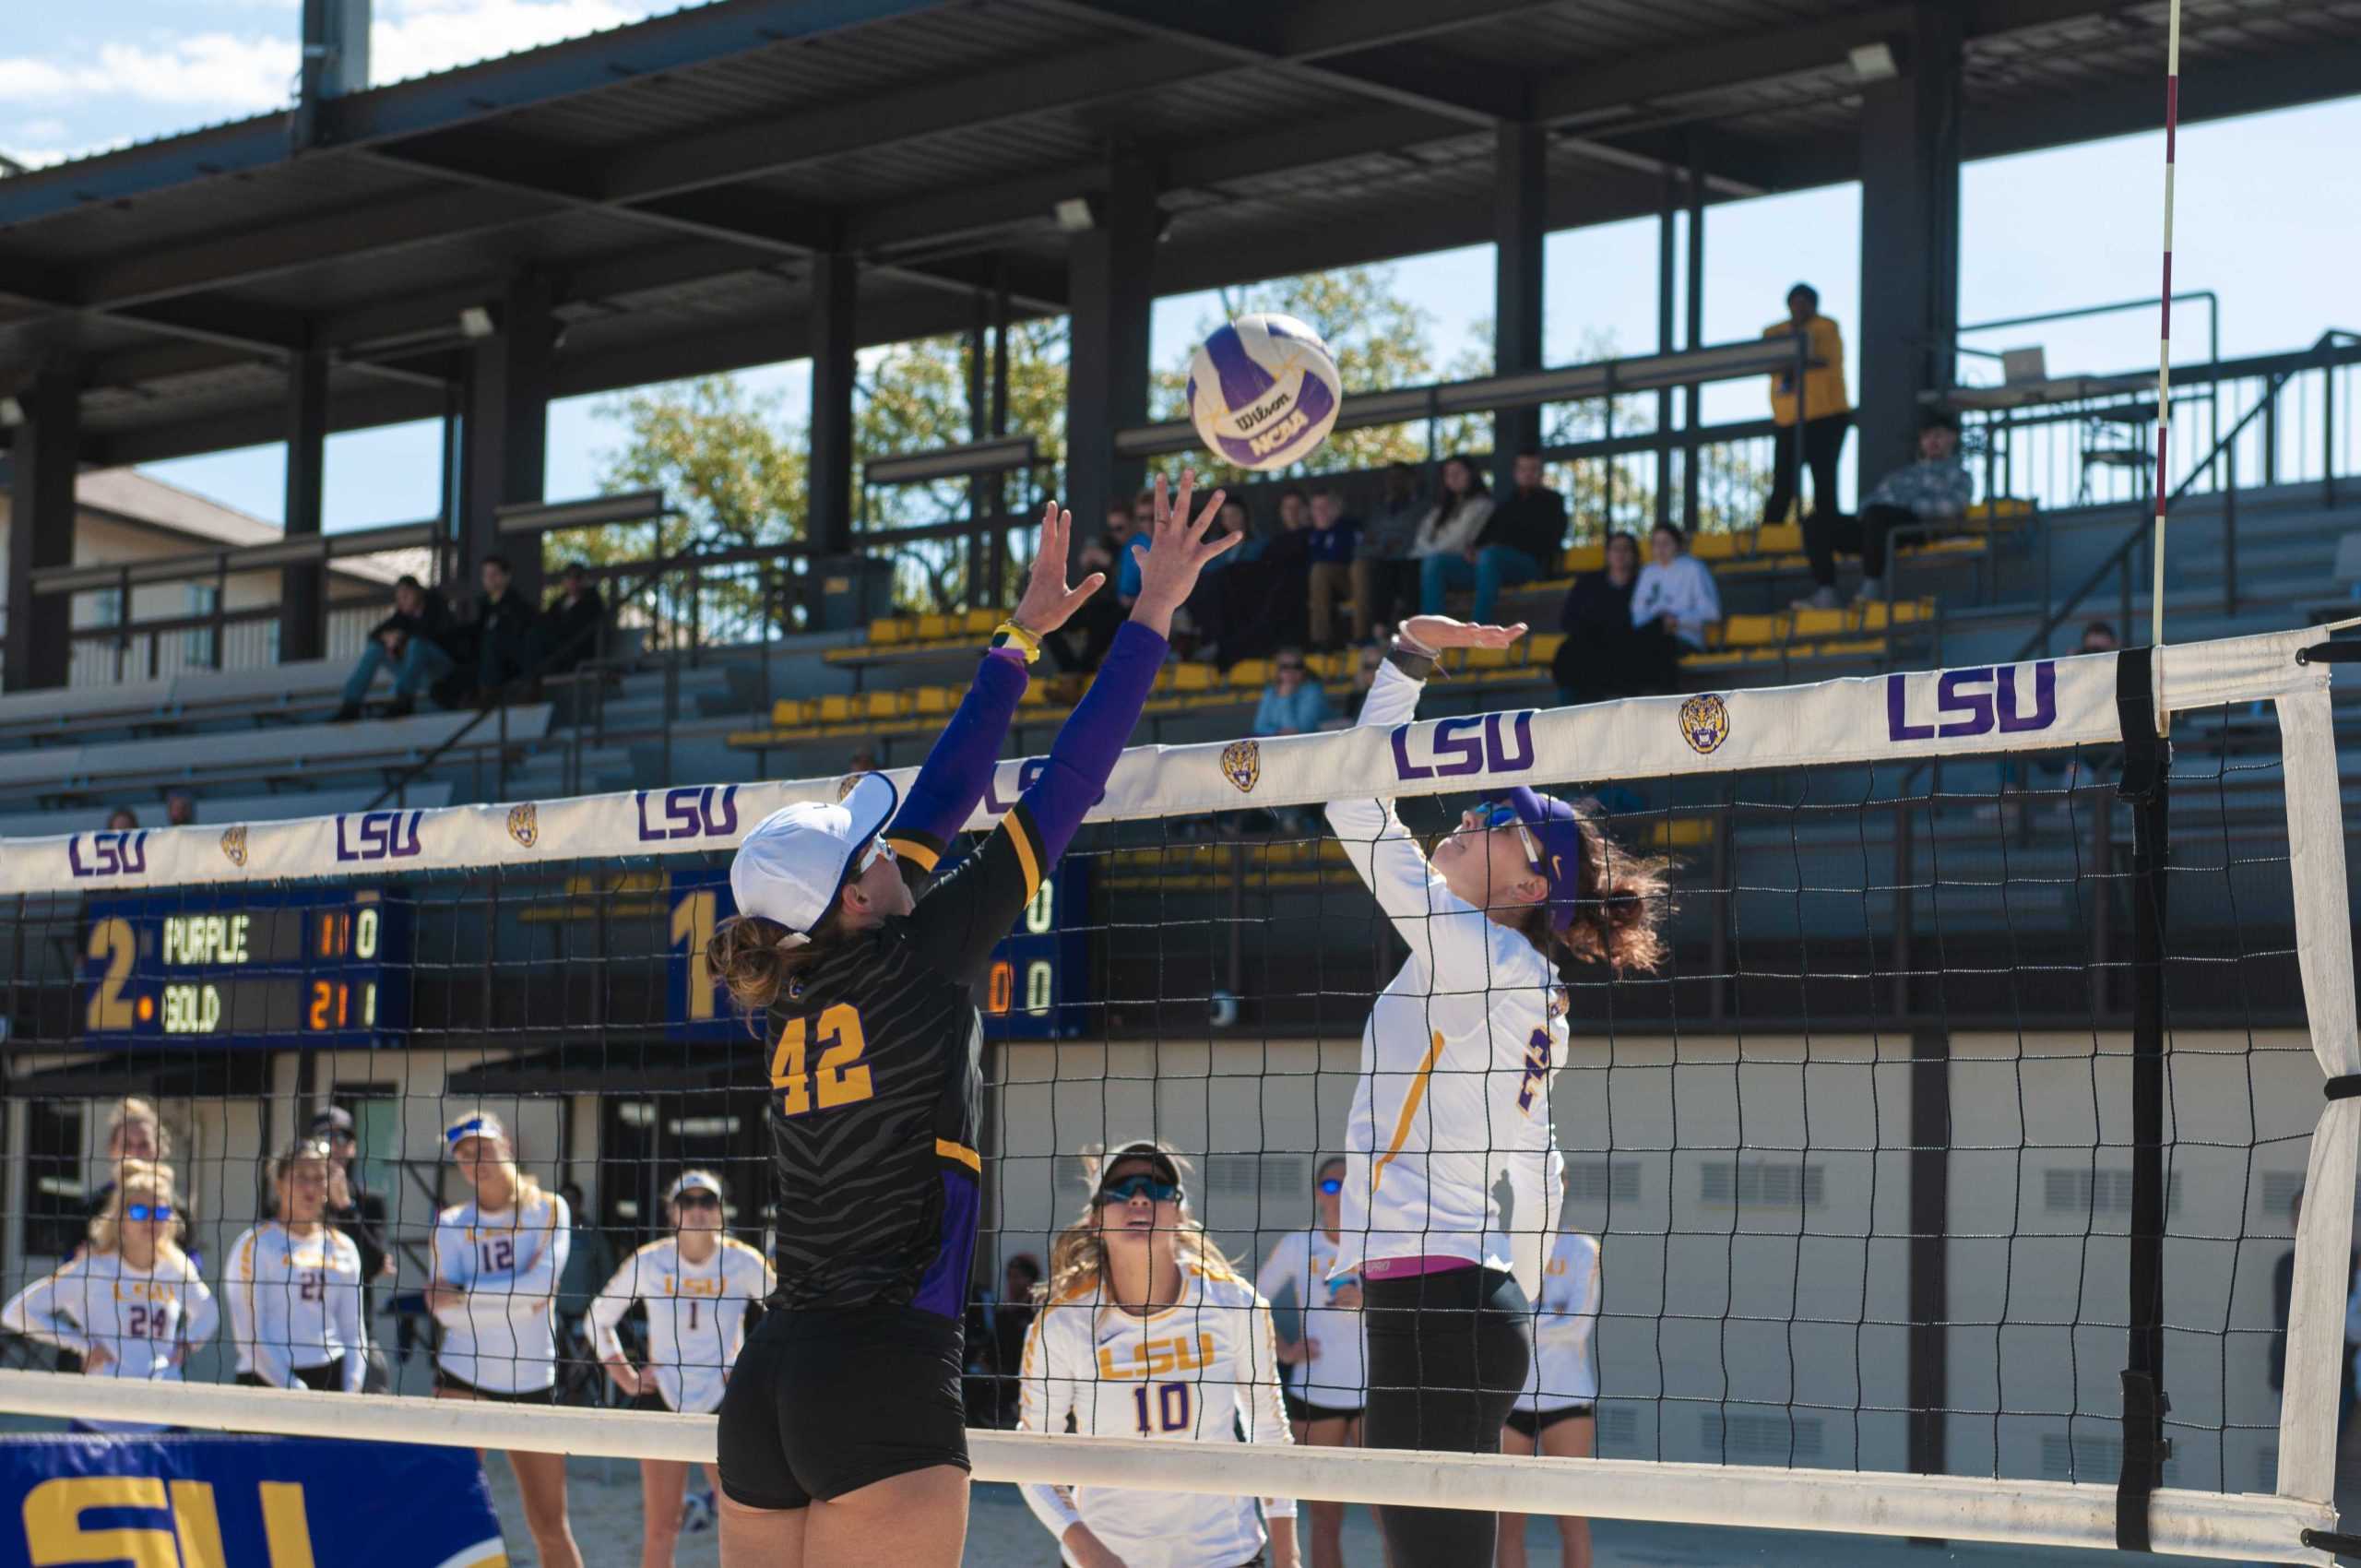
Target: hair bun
{"type": "Point", "coordinates": [1625, 909]}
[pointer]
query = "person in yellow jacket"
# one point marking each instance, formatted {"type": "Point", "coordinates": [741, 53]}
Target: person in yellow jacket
{"type": "Point", "coordinates": [1826, 413]}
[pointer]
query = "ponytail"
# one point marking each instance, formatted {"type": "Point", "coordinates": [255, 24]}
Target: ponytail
{"type": "Point", "coordinates": [755, 963]}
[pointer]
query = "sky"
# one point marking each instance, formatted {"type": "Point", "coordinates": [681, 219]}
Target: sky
{"type": "Point", "coordinates": [2269, 215]}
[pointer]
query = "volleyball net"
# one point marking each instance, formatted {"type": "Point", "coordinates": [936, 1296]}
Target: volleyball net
{"type": "Point", "coordinates": [1943, 1181]}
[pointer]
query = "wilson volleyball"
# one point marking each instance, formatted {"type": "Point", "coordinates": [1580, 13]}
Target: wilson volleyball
{"type": "Point", "coordinates": [1263, 391]}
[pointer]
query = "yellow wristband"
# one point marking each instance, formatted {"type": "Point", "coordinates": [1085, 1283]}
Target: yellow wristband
{"type": "Point", "coordinates": [1008, 631]}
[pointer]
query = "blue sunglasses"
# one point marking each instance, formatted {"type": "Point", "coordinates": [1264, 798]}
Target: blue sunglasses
{"type": "Point", "coordinates": [1140, 1186]}
{"type": "Point", "coordinates": [1332, 1185]}
{"type": "Point", "coordinates": [146, 1211]}
{"type": "Point", "coordinates": [1499, 814]}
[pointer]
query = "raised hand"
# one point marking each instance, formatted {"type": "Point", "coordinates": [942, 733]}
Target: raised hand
{"type": "Point", "coordinates": [1177, 553]}
{"type": "Point", "coordinates": [1047, 601]}
{"type": "Point", "coordinates": [1440, 632]}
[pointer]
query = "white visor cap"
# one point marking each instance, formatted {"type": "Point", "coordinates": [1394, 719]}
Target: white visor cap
{"type": "Point", "coordinates": [791, 868]}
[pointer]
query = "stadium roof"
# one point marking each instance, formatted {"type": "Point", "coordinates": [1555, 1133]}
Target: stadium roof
{"type": "Point", "coordinates": [674, 177]}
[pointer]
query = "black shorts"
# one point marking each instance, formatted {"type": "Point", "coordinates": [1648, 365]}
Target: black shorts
{"type": "Point", "coordinates": [444, 1380]}
{"type": "Point", "coordinates": [651, 1400]}
{"type": "Point", "coordinates": [1533, 1423]}
{"type": "Point", "coordinates": [824, 1403]}
{"type": "Point", "coordinates": [328, 1377]}
{"type": "Point", "coordinates": [1304, 1410]}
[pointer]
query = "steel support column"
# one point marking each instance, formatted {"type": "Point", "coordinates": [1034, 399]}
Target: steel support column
{"type": "Point", "coordinates": [41, 529]}
{"type": "Point", "coordinates": [835, 288]}
{"type": "Point", "coordinates": [303, 600]}
{"type": "Point", "coordinates": [1694, 337]}
{"type": "Point", "coordinates": [1519, 223]}
{"type": "Point", "coordinates": [1910, 179]}
{"type": "Point", "coordinates": [504, 447]}
{"type": "Point", "coordinates": [1667, 243]}
{"type": "Point", "coordinates": [1109, 270]}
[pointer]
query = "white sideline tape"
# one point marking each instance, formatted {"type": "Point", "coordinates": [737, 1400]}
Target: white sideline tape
{"type": "Point", "coordinates": [1902, 717]}
{"type": "Point", "coordinates": [2240, 1525]}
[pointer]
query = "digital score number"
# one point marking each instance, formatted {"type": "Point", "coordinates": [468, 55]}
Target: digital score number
{"type": "Point", "coordinates": [1039, 990]}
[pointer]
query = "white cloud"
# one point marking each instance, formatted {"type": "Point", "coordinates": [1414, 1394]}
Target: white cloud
{"type": "Point", "coordinates": [413, 37]}
{"type": "Point", "coordinates": [219, 72]}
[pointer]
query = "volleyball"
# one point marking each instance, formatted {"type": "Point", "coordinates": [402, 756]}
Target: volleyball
{"type": "Point", "coordinates": [1263, 391]}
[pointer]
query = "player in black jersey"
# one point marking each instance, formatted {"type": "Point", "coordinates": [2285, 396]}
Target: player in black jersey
{"type": "Point", "coordinates": [842, 1432]}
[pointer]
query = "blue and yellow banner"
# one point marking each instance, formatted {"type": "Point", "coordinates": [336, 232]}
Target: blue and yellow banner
{"type": "Point", "coordinates": [218, 1500]}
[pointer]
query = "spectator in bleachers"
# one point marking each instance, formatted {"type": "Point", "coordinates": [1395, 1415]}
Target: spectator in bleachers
{"type": "Point", "coordinates": [180, 809]}
{"type": "Point", "coordinates": [1370, 657]}
{"type": "Point", "coordinates": [1078, 645]}
{"type": "Point", "coordinates": [1935, 488]}
{"type": "Point", "coordinates": [1827, 410]}
{"type": "Point", "coordinates": [415, 642]}
{"type": "Point", "coordinates": [863, 759]}
{"type": "Point", "coordinates": [570, 625]}
{"type": "Point", "coordinates": [1273, 607]}
{"type": "Point", "coordinates": [122, 819]}
{"type": "Point", "coordinates": [1672, 605]}
{"type": "Point", "coordinates": [1331, 545]}
{"type": "Point", "coordinates": [1386, 580]}
{"type": "Point", "coordinates": [1458, 515]}
{"type": "Point", "coordinates": [1293, 703]}
{"type": "Point", "coordinates": [1213, 603]}
{"type": "Point", "coordinates": [1521, 537]}
{"type": "Point", "coordinates": [1595, 661]}
{"type": "Point", "coordinates": [2099, 636]}
{"type": "Point", "coordinates": [1130, 530]}
{"type": "Point", "coordinates": [504, 626]}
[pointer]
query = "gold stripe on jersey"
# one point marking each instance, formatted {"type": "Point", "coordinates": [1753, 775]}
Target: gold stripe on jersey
{"type": "Point", "coordinates": [1026, 840]}
{"type": "Point", "coordinates": [923, 853]}
{"type": "Point", "coordinates": [961, 1153]}
{"type": "Point", "coordinates": [1409, 1108]}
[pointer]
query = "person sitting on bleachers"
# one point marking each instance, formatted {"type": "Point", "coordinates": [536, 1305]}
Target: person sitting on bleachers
{"type": "Point", "coordinates": [1292, 704]}
{"type": "Point", "coordinates": [1672, 605]}
{"type": "Point", "coordinates": [414, 642]}
{"type": "Point", "coordinates": [504, 626]}
{"type": "Point", "coordinates": [122, 819]}
{"type": "Point", "coordinates": [1212, 605]}
{"type": "Point", "coordinates": [180, 809]}
{"type": "Point", "coordinates": [1331, 545]}
{"type": "Point", "coordinates": [1520, 539]}
{"type": "Point", "coordinates": [1934, 489]}
{"type": "Point", "coordinates": [1078, 645]}
{"type": "Point", "coordinates": [1453, 523]}
{"type": "Point", "coordinates": [570, 625]}
{"type": "Point", "coordinates": [1386, 580]}
{"type": "Point", "coordinates": [1595, 661]}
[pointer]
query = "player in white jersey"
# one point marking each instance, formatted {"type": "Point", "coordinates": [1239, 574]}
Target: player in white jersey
{"type": "Point", "coordinates": [1325, 1381]}
{"type": "Point", "coordinates": [698, 1283]}
{"type": "Point", "coordinates": [294, 1288]}
{"type": "Point", "coordinates": [130, 1304]}
{"type": "Point", "coordinates": [1556, 1414]}
{"type": "Point", "coordinates": [1146, 1332]}
{"type": "Point", "coordinates": [1454, 1096]}
{"type": "Point", "coordinates": [497, 1262]}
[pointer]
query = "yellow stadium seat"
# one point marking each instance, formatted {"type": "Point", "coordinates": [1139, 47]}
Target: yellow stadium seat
{"type": "Point", "coordinates": [1543, 648]}
{"type": "Point", "coordinates": [932, 628]}
{"type": "Point", "coordinates": [1753, 631]}
{"type": "Point", "coordinates": [936, 699]}
{"type": "Point", "coordinates": [979, 623]}
{"type": "Point", "coordinates": [835, 709]}
{"type": "Point", "coordinates": [1250, 672]}
{"type": "Point", "coordinates": [1587, 557]}
{"type": "Point", "coordinates": [882, 705]}
{"type": "Point", "coordinates": [789, 711]}
{"type": "Point", "coordinates": [1714, 546]}
{"type": "Point", "coordinates": [886, 632]}
{"type": "Point", "coordinates": [1682, 833]}
{"type": "Point", "coordinates": [1489, 659]}
{"type": "Point", "coordinates": [1192, 677]}
{"type": "Point", "coordinates": [1780, 539]}
{"type": "Point", "coordinates": [1817, 623]}
{"type": "Point", "coordinates": [2004, 507]}
{"type": "Point", "coordinates": [1037, 695]}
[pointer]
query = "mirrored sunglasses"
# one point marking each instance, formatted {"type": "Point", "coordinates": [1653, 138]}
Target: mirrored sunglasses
{"type": "Point", "coordinates": [697, 1197]}
{"type": "Point", "coordinates": [1145, 1187]}
{"type": "Point", "coordinates": [146, 1211]}
{"type": "Point", "coordinates": [1499, 814]}
{"type": "Point", "coordinates": [1332, 1185]}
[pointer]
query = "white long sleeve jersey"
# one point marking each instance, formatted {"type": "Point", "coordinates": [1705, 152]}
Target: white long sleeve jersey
{"type": "Point", "coordinates": [1335, 1374]}
{"type": "Point", "coordinates": [696, 1317]}
{"type": "Point", "coordinates": [1456, 1061]}
{"type": "Point", "coordinates": [144, 1319]}
{"type": "Point", "coordinates": [1196, 1372]}
{"type": "Point", "coordinates": [295, 1301]}
{"type": "Point", "coordinates": [1566, 1314]}
{"type": "Point", "coordinates": [500, 1338]}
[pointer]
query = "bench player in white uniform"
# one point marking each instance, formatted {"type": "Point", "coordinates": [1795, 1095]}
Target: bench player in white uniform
{"type": "Point", "coordinates": [294, 1288]}
{"type": "Point", "coordinates": [698, 1283]}
{"type": "Point", "coordinates": [1325, 1381]}
{"type": "Point", "coordinates": [1556, 1413]}
{"type": "Point", "coordinates": [131, 1303]}
{"type": "Point", "coordinates": [1146, 1332]}
{"type": "Point", "coordinates": [1457, 1065]}
{"type": "Point", "coordinates": [497, 1262]}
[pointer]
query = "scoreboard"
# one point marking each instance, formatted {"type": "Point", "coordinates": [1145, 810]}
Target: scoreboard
{"type": "Point", "coordinates": [294, 967]}
{"type": "Point", "coordinates": [1036, 987]}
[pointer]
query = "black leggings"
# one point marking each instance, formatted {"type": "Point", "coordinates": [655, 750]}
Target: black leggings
{"type": "Point", "coordinates": [1447, 1355]}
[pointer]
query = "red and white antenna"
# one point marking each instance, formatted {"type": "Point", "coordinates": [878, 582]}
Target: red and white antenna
{"type": "Point", "coordinates": [2165, 340]}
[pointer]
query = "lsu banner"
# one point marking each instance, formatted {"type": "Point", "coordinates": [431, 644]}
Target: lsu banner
{"type": "Point", "coordinates": [209, 1500]}
{"type": "Point", "coordinates": [1903, 716]}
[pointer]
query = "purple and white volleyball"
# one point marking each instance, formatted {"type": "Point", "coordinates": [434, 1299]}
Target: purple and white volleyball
{"type": "Point", "coordinates": [1263, 391]}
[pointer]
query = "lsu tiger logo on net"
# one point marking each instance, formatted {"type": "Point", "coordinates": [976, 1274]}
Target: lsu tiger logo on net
{"type": "Point", "coordinates": [1706, 723]}
{"type": "Point", "coordinates": [524, 825]}
{"type": "Point", "coordinates": [1242, 764]}
{"type": "Point", "coordinates": [233, 845]}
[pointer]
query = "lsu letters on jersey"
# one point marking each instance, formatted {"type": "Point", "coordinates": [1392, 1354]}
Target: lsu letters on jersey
{"type": "Point", "coordinates": [1456, 1061]}
{"type": "Point", "coordinates": [696, 1317]}
{"type": "Point", "coordinates": [500, 1338]}
{"type": "Point", "coordinates": [1196, 1372]}
{"type": "Point", "coordinates": [145, 1320]}
{"type": "Point", "coordinates": [1562, 1372]}
{"type": "Point", "coordinates": [295, 1301]}
{"type": "Point", "coordinates": [1335, 1375]}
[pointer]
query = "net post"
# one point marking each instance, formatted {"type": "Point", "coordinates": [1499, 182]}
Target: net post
{"type": "Point", "coordinates": [2147, 769]}
{"type": "Point", "coordinates": [1930, 1136]}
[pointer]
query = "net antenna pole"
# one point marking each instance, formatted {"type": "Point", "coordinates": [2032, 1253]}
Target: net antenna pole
{"type": "Point", "coordinates": [2164, 338]}
{"type": "Point", "coordinates": [2147, 769]}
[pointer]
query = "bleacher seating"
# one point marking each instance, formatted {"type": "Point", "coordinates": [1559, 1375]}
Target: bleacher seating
{"type": "Point", "coordinates": [220, 811]}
